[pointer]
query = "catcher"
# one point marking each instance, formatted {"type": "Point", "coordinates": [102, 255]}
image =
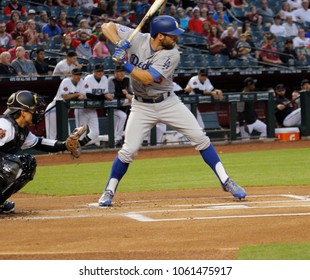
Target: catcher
{"type": "Point", "coordinates": [17, 170]}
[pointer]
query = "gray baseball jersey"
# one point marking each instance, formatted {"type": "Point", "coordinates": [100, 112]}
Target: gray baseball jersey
{"type": "Point", "coordinates": [142, 56]}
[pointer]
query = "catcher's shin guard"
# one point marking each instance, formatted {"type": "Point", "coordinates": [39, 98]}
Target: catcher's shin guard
{"type": "Point", "coordinates": [18, 171]}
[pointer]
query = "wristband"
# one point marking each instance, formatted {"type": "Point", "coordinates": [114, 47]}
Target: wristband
{"type": "Point", "coordinates": [128, 67]}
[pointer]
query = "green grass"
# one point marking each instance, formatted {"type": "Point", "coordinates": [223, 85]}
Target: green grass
{"type": "Point", "coordinates": [267, 168]}
{"type": "Point", "coordinates": [293, 251]}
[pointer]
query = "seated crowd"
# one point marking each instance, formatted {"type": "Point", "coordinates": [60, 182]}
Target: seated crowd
{"type": "Point", "coordinates": [261, 31]}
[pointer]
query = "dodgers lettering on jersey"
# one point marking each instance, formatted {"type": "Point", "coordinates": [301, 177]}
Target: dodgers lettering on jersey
{"type": "Point", "coordinates": [141, 55]}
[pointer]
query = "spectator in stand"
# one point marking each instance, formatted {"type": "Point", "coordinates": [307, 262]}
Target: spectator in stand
{"type": "Point", "coordinates": [254, 50]}
{"type": "Point", "coordinates": [97, 29]}
{"type": "Point", "coordinates": [172, 11]}
{"type": "Point", "coordinates": [31, 35]}
{"type": "Point", "coordinates": [289, 54]}
{"type": "Point", "coordinates": [84, 44]}
{"type": "Point", "coordinates": [5, 65]}
{"type": "Point", "coordinates": [277, 28]}
{"type": "Point", "coordinates": [53, 3]}
{"type": "Point", "coordinates": [203, 14]}
{"type": "Point", "coordinates": [216, 44]}
{"type": "Point", "coordinates": [266, 13]}
{"type": "Point", "coordinates": [51, 30]}
{"type": "Point", "coordinates": [294, 4]}
{"type": "Point", "coordinates": [19, 30]}
{"type": "Point", "coordinates": [65, 66]}
{"type": "Point", "coordinates": [189, 12]}
{"type": "Point", "coordinates": [33, 16]}
{"type": "Point", "coordinates": [5, 38]}
{"type": "Point", "coordinates": [14, 6]}
{"type": "Point", "coordinates": [219, 8]}
{"type": "Point", "coordinates": [19, 42]}
{"type": "Point", "coordinates": [112, 10]}
{"type": "Point", "coordinates": [229, 41]}
{"type": "Point", "coordinates": [84, 26]}
{"type": "Point", "coordinates": [41, 66]}
{"type": "Point", "coordinates": [210, 18]}
{"type": "Point", "coordinates": [243, 49]}
{"type": "Point", "coordinates": [182, 18]}
{"type": "Point", "coordinates": [100, 49]}
{"type": "Point", "coordinates": [285, 11]}
{"type": "Point", "coordinates": [66, 44]}
{"type": "Point", "coordinates": [285, 113]}
{"type": "Point", "coordinates": [43, 19]}
{"type": "Point", "coordinates": [239, 3]}
{"type": "Point", "coordinates": [221, 22]}
{"type": "Point", "coordinates": [301, 43]}
{"type": "Point", "coordinates": [290, 27]}
{"type": "Point", "coordinates": [70, 28]}
{"type": "Point", "coordinates": [98, 11]}
{"type": "Point", "coordinates": [195, 23]}
{"type": "Point", "coordinates": [302, 15]}
{"type": "Point", "coordinates": [254, 18]}
{"type": "Point", "coordinates": [22, 65]}
{"type": "Point", "coordinates": [246, 26]}
{"type": "Point", "coordinates": [248, 118]}
{"type": "Point", "coordinates": [62, 21]}
{"type": "Point", "coordinates": [11, 24]}
{"type": "Point", "coordinates": [206, 27]}
{"type": "Point", "coordinates": [269, 53]}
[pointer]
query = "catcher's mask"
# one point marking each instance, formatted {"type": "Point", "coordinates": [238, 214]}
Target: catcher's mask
{"type": "Point", "coordinates": [27, 101]}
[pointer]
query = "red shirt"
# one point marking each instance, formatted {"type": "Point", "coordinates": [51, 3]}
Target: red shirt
{"type": "Point", "coordinates": [195, 25]}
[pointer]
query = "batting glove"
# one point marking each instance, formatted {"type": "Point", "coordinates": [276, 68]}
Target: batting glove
{"type": "Point", "coordinates": [119, 55]}
{"type": "Point", "coordinates": [122, 44]}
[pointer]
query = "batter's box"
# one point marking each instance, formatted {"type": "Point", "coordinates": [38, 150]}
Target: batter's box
{"type": "Point", "coordinates": [254, 207]}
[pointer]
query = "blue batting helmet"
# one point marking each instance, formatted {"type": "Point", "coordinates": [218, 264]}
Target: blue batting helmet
{"type": "Point", "coordinates": [165, 25]}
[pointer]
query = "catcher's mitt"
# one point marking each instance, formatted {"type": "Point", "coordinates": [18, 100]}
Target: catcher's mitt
{"type": "Point", "coordinates": [72, 142]}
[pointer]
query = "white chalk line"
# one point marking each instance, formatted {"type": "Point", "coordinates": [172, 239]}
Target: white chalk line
{"type": "Point", "coordinates": [297, 202]}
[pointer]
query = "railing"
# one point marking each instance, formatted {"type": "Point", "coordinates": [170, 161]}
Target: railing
{"type": "Point", "coordinates": [62, 108]}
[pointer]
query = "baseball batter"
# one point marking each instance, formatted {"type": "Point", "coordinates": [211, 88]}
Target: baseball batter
{"type": "Point", "coordinates": [153, 58]}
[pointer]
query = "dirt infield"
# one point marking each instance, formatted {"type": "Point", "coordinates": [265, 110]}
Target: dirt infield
{"type": "Point", "coordinates": [195, 224]}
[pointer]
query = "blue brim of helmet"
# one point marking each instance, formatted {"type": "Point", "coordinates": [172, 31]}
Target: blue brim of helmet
{"type": "Point", "coordinates": [177, 31]}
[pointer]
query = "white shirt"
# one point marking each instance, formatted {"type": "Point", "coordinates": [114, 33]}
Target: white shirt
{"type": "Point", "coordinates": [294, 4]}
{"type": "Point", "coordinates": [291, 30]}
{"type": "Point", "coordinates": [300, 43]}
{"type": "Point", "coordinates": [278, 30]}
{"type": "Point", "coordinates": [62, 68]}
{"type": "Point", "coordinates": [195, 83]}
{"type": "Point", "coordinates": [92, 86]}
{"type": "Point", "coordinates": [302, 14]}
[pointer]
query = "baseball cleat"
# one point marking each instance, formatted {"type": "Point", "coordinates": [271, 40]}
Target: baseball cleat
{"type": "Point", "coordinates": [234, 189]}
{"type": "Point", "coordinates": [106, 199]}
{"type": "Point", "coordinates": [7, 207]}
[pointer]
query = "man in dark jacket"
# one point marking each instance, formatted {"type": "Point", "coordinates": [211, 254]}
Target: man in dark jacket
{"type": "Point", "coordinates": [248, 119]}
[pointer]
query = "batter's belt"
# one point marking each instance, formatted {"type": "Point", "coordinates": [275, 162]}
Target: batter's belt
{"type": "Point", "coordinates": [153, 100]}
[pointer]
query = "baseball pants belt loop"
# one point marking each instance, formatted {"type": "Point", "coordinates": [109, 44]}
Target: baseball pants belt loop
{"type": "Point", "coordinates": [153, 100]}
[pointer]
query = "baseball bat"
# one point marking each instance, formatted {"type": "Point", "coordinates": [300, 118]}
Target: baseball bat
{"type": "Point", "coordinates": [152, 10]}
